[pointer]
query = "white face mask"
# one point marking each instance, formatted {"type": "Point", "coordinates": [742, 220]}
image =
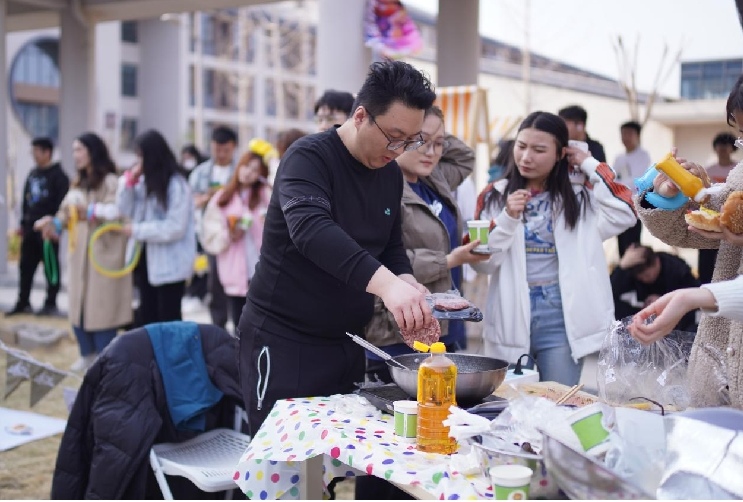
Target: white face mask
{"type": "Point", "coordinates": [189, 163]}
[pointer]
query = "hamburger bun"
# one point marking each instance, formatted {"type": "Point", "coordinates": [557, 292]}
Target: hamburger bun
{"type": "Point", "coordinates": [731, 215]}
{"type": "Point", "coordinates": [704, 219]}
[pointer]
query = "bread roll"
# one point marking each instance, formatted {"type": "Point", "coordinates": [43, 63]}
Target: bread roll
{"type": "Point", "coordinates": [704, 219]}
{"type": "Point", "coordinates": [731, 215]}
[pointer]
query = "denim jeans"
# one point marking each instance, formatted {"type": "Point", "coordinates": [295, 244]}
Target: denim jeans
{"type": "Point", "coordinates": [549, 339]}
{"type": "Point", "coordinates": [93, 342]}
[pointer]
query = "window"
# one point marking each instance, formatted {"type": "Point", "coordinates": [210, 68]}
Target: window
{"type": "Point", "coordinates": [219, 32]}
{"type": "Point", "coordinates": [270, 97]}
{"type": "Point", "coordinates": [220, 90]}
{"type": "Point", "coordinates": [128, 133]}
{"type": "Point", "coordinates": [129, 32]}
{"type": "Point", "coordinates": [292, 96]}
{"type": "Point", "coordinates": [309, 103]}
{"type": "Point", "coordinates": [34, 87]}
{"type": "Point", "coordinates": [129, 80]}
{"type": "Point", "coordinates": [709, 79]}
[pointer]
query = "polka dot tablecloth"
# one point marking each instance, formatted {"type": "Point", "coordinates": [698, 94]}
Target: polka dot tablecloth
{"type": "Point", "coordinates": [299, 429]}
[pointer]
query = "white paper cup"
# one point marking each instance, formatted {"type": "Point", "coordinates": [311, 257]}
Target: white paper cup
{"type": "Point", "coordinates": [479, 229]}
{"type": "Point", "coordinates": [510, 482]}
{"type": "Point", "coordinates": [406, 420]}
{"type": "Point", "coordinates": [588, 425]}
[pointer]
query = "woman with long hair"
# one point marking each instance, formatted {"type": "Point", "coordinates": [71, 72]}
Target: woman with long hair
{"type": "Point", "coordinates": [98, 304]}
{"type": "Point", "coordinates": [156, 197]}
{"type": "Point", "coordinates": [549, 293]}
{"type": "Point", "coordinates": [431, 233]}
{"type": "Point", "coordinates": [234, 217]}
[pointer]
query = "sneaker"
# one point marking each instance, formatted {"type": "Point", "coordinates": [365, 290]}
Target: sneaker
{"type": "Point", "coordinates": [49, 310]}
{"type": "Point", "coordinates": [83, 363]}
{"type": "Point", "coordinates": [20, 309]}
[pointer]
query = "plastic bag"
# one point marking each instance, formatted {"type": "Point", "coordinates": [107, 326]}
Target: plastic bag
{"type": "Point", "coordinates": [632, 373]}
{"type": "Point", "coordinates": [452, 305]}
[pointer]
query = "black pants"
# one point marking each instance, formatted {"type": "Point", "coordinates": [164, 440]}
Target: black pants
{"type": "Point", "coordinates": [629, 236]}
{"type": "Point", "coordinates": [236, 308]}
{"type": "Point", "coordinates": [706, 265]}
{"type": "Point", "coordinates": [299, 368]}
{"type": "Point", "coordinates": [199, 284]}
{"type": "Point", "coordinates": [156, 303]}
{"type": "Point", "coordinates": [218, 308]}
{"type": "Point", "coordinates": [32, 252]}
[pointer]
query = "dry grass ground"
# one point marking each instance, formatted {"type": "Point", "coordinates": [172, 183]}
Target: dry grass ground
{"type": "Point", "coordinates": [26, 471]}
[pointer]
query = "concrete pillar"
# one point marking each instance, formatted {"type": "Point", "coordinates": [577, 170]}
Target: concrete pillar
{"type": "Point", "coordinates": [342, 58]}
{"type": "Point", "coordinates": [458, 42]}
{"type": "Point", "coordinates": [160, 61]}
{"type": "Point", "coordinates": [77, 83]}
{"type": "Point", "coordinates": [4, 209]}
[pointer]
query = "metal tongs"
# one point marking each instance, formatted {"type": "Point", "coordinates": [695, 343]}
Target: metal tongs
{"type": "Point", "coordinates": [376, 350]}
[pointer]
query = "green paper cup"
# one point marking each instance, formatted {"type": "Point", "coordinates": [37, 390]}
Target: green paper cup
{"type": "Point", "coordinates": [479, 229]}
{"type": "Point", "coordinates": [510, 482]}
{"type": "Point", "coordinates": [406, 420]}
{"type": "Point", "coordinates": [588, 425]}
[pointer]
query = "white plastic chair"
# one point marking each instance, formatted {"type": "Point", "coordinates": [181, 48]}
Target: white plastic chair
{"type": "Point", "coordinates": [208, 460]}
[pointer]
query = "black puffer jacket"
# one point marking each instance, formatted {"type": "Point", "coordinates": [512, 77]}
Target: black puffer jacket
{"type": "Point", "coordinates": [121, 411]}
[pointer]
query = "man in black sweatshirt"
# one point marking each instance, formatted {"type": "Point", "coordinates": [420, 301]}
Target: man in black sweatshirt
{"type": "Point", "coordinates": [332, 241]}
{"type": "Point", "coordinates": [46, 186]}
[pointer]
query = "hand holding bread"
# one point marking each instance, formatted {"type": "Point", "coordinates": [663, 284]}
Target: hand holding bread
{"type": "Point", "coordinates": [730, 217]}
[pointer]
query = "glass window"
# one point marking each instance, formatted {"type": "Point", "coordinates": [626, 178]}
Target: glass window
{"type": "Point", "coordinates": [292, 97]}
{"type": "Point", "coordinates": [309, 103]}
{"type": "Point", "coordinates": [34, 86]}
{"type": "Point", "coordinates": [129, 32]}
{"type": "Point", "coordinates": [270, 97]}
{"type": "Point", "coordinates": [709, 79]}
{"type": "Point", "coordinates": [129, 80]}
{"type": "Point", "coordinates": [128, 133]}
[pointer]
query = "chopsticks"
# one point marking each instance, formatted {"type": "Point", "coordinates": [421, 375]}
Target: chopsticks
{"type": "Point", "coordinates": [573, 390]}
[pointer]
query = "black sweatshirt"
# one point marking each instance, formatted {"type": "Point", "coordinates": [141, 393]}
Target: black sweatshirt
{"type": "Point", "coordinates": [330, 224]}
{"type": "Point", "coordinates": [42, 194]}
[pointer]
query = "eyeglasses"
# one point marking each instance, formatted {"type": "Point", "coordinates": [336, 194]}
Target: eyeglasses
{"type": "Point", "coordinates": [438, 146]}
{"type": "Point", "coordinates": [395, 144]}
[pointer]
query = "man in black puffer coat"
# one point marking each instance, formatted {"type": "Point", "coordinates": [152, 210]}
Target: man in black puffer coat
{"type": "Point", "coordinates": [121, 411]}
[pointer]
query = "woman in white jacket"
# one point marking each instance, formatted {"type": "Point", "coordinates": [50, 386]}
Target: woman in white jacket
{"type": "Point", "coordinates": [549, 293]}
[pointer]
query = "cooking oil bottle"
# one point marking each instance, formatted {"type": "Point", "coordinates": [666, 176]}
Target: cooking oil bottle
{"type": "Point", "coordinates": [437, 380]}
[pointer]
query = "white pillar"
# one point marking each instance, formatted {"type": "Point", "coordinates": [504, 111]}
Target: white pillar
{"type": "Point", "coordinates": [160, 62]}
{"type": "Point", "coordinates": [77, 83]}
{"type": "Point", "coordinates": [342, 58]}
{"type": "Point", "coordinates": [458, 42]}
{"type": "Point", "coordinates": [4, 209]}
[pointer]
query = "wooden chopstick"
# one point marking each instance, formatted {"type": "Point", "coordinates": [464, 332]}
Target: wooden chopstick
{"type": "Point", "coordinates": [573, 390]}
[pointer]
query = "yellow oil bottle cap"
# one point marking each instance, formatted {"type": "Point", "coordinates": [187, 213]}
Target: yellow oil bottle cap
{"type": "Point", "coordinates": [420, 346]}
{"type": "Point", "coordinates": [438, 348]}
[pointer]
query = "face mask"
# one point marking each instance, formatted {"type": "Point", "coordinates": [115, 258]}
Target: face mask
{"type": "Point", "coordinates": [189, 163]}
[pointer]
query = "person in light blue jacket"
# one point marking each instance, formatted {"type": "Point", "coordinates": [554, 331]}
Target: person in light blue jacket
{"type": "Point", "coordinates": [156, 197]}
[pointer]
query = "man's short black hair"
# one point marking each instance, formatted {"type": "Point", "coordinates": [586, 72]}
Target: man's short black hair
{"type": "Point", "coordinates": [341, 101]}
{"type": "Point", "coordinates": [648, 259]}
{"type": "Point", "coordinates": [389, 81]}
{"type": "Point", "coordinates": [44, 143]}
{"type": "Point", "coordinates": [632, 124]}
{"type": "Point", "coordinates": [724, 138]}
{"type": "Point", "coordinates": [574, 112]}
{"type": "Point", "coordinates": [223, 134]}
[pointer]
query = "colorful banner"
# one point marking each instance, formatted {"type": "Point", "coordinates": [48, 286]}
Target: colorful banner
{"type": "Point", "coordinates": [389, 30]}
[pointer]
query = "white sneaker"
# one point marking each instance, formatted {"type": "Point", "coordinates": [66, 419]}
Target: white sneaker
{"type": "Point", "coordinates": [83, 363]}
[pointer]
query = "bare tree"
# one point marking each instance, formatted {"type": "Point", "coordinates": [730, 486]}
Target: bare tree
{"type": "Point", "coordinates": [627, 66]}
